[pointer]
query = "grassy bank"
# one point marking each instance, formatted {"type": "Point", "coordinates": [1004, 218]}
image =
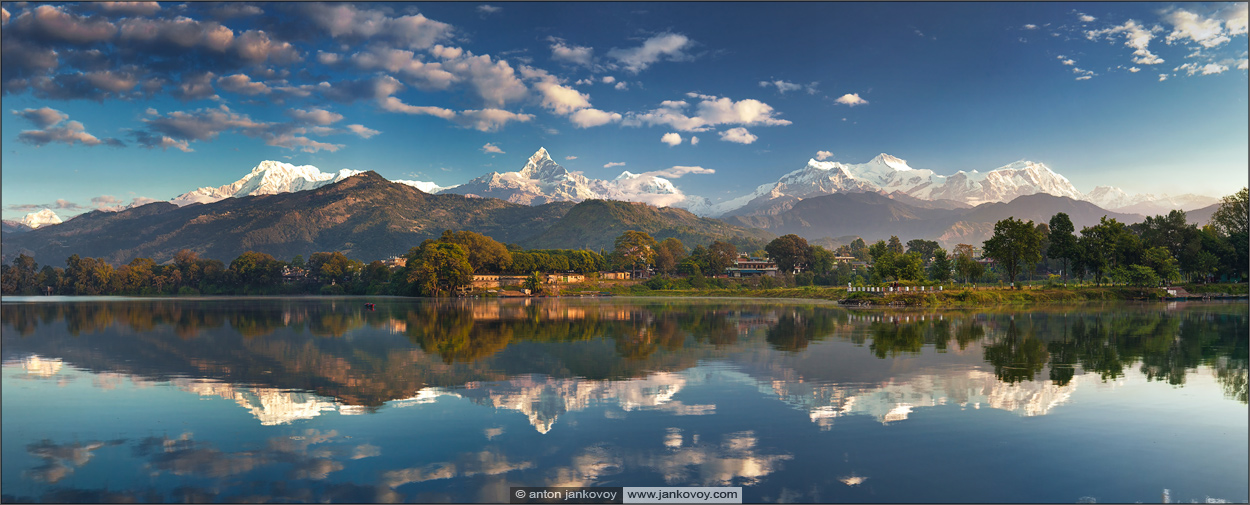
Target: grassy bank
{"type": "Point", "coordinates": [949, 297]}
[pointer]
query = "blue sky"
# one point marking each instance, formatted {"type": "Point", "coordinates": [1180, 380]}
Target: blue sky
{"type": "Point", "coordinates": [108, 102]}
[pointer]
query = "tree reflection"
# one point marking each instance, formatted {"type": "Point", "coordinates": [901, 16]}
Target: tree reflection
{"type": "Point", "coordinates": [1016, 357]}
{"type": "Point", "coordinates": [308, 344]}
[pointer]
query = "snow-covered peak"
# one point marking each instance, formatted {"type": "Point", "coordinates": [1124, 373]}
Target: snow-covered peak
{"type": "Point", "coordinates": [44, 217]}
{"type": "Point", "coordinates": [268, 178]}
{"type": "Point", "coordinates": [540, 166]}
{"type": "Point", "coordinates": [892, 162]}
{"type": "Point", "coordinates": [625, 175]}
{"type": "Point", "coordinates": [425, 186]}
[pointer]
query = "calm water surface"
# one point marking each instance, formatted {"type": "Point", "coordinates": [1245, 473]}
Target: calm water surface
{"type": "Point", "coordinates": [320, 400]}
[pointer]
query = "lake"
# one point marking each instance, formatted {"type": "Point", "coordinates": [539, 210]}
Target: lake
{"type": "Point", "coordinates": [319, 399]}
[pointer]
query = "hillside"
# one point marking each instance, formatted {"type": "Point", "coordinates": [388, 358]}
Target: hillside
{"type": "Point", "coordinates": [365, 216]}
{"type": "Point", "coordinates": [874, 217]}
{"type": "Point", "coordinates": [595, 224]}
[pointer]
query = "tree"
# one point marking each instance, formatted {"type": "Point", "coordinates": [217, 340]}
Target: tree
{"type": "Point", "coordinates": [720, 255]}
{"type": "Point", "coordinates": [909, 267]}
{"type": "Point", "coordinates": [859, 249]}
{"type": "Point", "coordinates": [1162, 263]}
{"type": "Point", "coordinates": [1230, 220]}
{"type": "Point", "coordinates": [1015, 244]}
{"type": "Point", "coordinates": [257, 270]}
{"type": "Point", "coordinates": [485, 254]}
{"type": "Point", "coordinates": [635, 250]}
{"type": "Point", "coordinates": [821, 262]}
{"type": "Point", "coordinates": [789, 251]}
{"type": "Point", "coordinates": [20, 279]}
{"type": "Point", "coordinates": [436, 268]}
{"type": "Point", "coordinates": [966, 264]}
{"type": "Point", "coordinates": [1062, 241]}
{"type": "Point", "coordinates": [895, 246]}
{"type": "Point", "coordinates": [534, 282]}
{"type": "Point", "coordinates": [1107, 245]}
{"type": "Point", "coordinates": [669, 254]}
{"type": "Point", "coordinates": [922, 246]}
{"type": "Point", "coordinates": [883, 259]}
{"type": "Point", "coordinates": [940, 269]}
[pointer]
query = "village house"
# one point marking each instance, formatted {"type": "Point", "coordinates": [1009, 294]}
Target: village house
{"type": "Point", "coordinates": [565, 278]}
{"type": "Point", "coordinates": [619, 276]}
{"type": "Point", "coordinates": [752, 267]}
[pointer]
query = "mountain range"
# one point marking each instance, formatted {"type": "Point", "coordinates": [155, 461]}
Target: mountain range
{"type": "Point", "coordinates": [285, 209]}
{"type": "Point", "coordinates": [364, 216]}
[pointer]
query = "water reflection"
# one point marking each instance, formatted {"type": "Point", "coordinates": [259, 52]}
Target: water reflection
{"type": "Point", "coordinates": [293, 359]}
{"type": "Point", "coordinates": [647, 365]}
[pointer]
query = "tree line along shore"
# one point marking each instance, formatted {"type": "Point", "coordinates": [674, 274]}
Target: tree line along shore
{"type": "Point", "coordinates": [1022, 262]}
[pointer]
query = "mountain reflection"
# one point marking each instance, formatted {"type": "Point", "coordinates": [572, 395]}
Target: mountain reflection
{"type": "Point", "coordinates": [291, 360]}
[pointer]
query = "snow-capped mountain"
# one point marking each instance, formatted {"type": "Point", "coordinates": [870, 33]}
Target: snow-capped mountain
{"type": "Point", "coordinates": [888, 174]}
{"type": "Point", "coordinates": [268, 178]}
{"type": "Point", "coordinates": [44, 217]}
{"type": "Point", "coordinates": [1112, 198]}
{"type": "Point", "coordinates": [542, 180]}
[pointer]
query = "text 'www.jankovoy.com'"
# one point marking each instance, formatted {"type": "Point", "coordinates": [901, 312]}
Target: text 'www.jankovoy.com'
{"type": "Point", "coordinates": [626, 495]}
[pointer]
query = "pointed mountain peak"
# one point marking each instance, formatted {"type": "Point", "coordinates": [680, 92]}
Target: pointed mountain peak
{"type": "Point", "coordinates": [892, 162]}
{"type": "Point", "coordinates": [541, 166]}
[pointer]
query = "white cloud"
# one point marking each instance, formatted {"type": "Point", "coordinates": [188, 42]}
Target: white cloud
{"type": "Point", "coordinates": [1242, 64]}
{"type": "Point", "coordinates": [580, 55]}
{"type": "Point", "coordinates": [781, 85]}
{"type": "Point", "coordinates": [666, 45]}
{"type": "Point", "coordinates": [621, 86]}
{"type": "Point", "coordinates": [1208, 32]}
{"type": "Point", "coordinates": [851, 99]}
{"type": "Point", "coordinates": [1136, 36]}
{"type": "Point", "coordinates": [738, 135]}
{"type": "Point", "coordinates": [352, 22]}
{"type": "Point", "coordinates": [362, 130]}
{"type": "Point", "coordinates": [570, 158]}
{"type": "Point", "coordinates": [392, 104]}
{"type": "Point", "coordinates": [1086, 18]}
{"type": "Point", "coordinates": [492, 148]}
{"type": "Point", "coordinates": [1235, 18]}
{"type": "Point", "coordinates": [1069, 62]}
{"type": "Point", "coordinates": [488, 9]}
{"type": "Point", "coordinates": [710, 111]}
{"type": "Point", "coordinates": [671, 139]}
{"type": "Point", "coordinates": [607, 79]}
{"type": "Point", "coordinates": [328, 58]}
{"type": "Point", "coordinates": [494, 80]}
{"type": "Point", "coordinates": [489, 120]}
{"type": "Point", "coordinates": [823, 155]}
{"type": "Point", "coordinates": [1030, 26]}
{"type": "Point", "coordinates": [242, 84]}
{"type": "Point", "coordinates": [694, 141]}
{"type": "Point", "coordinates": [1208, 69]}
{"type": "Point", "coordinates": [42, 117]}
{"type": "Point", "coordinates": [677, 172]}
{"type": "Point", "coordinates": [1084, 78]}
{"type": "Point", "coordinates": [586, 118]}
{"type": "Point", "coordinates": [1134, 70]}
{"type": "Point", "coordinates": [316, 116]}
{"type": "Point", "coordinates": [1163, 77]}
{"type": "Point", "coordinates": [425, 75]}
{"type": "Point", "coordinates": [560, 99]}
{"type": "Point", "coordinates": [614, 164]}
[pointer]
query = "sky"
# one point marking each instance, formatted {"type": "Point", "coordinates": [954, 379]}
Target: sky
{"type": "Point", "coordinates": [108, 104]}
